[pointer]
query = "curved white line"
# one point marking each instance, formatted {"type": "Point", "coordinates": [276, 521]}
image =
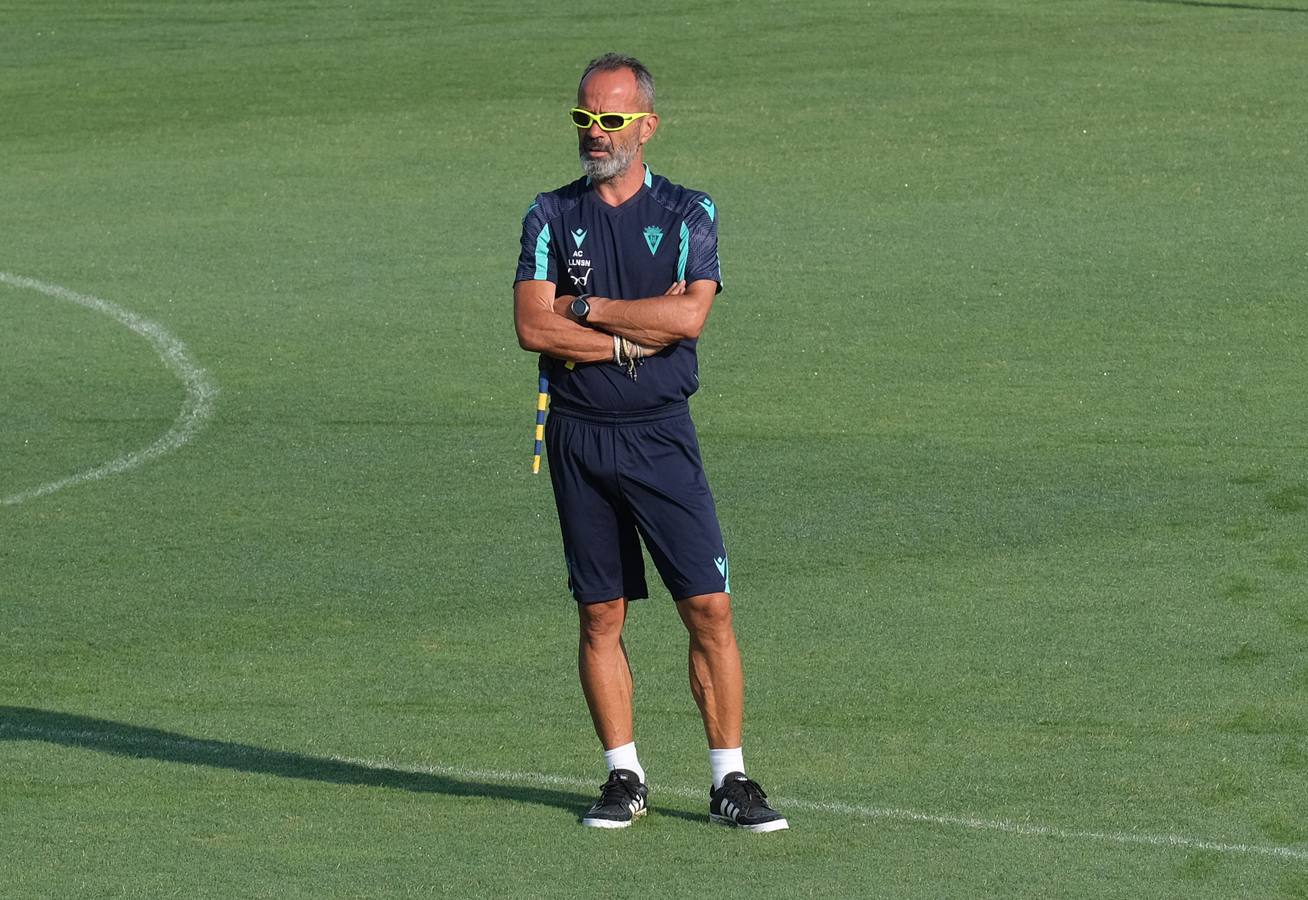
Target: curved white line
{"type": "Point", "coordinates": [196, 409]}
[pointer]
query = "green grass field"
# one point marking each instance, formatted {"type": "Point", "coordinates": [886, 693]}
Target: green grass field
{"type": "Point", "coordinates": [1003, 404]}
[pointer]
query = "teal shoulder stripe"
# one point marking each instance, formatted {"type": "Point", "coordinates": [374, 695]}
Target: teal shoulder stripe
{"type": "Point", "coordinates": [685, 252]}
{"type": "Point", "coordinates": [649, 179]}
{"type": "Point", "coordinates": [543, 254]}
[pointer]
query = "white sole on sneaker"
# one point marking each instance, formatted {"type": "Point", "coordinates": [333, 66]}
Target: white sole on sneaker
{"type": "Point", "coordinates": [613, 823]}
{"type": "Point", "coordinates": [774, 825]}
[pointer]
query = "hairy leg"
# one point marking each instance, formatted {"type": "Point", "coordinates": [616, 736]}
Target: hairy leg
{"type": "Point", "coordinates": [716, 678]}
{"type": "Point", "coordinates": [604, 670]}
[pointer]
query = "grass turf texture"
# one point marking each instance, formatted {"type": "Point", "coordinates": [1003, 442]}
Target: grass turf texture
{"type": "Point", "coordinates": [1003, 405]}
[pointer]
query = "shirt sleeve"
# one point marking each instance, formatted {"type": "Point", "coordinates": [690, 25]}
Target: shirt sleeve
{"type": "Point", "coordinates": [702, 246]}
{"type": "Point", "coordinates": [535, 261]}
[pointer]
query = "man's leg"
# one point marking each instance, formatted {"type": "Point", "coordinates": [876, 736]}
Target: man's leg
{"type": "Point", "coordinates": [718, 683]}
{"type": "Point", "coordinates": [716, 678]}
{"type": "Point", "coordinates": [606, 682]}
{"type": "Point", "coordinates": [604, 671]}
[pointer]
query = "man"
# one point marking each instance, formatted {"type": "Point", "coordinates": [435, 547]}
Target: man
{"type": "Point", "coordinates": [617, 273]}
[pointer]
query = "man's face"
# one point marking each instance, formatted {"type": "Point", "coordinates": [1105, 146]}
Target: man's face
{"type": "Point", "coordinates": [606, 155]}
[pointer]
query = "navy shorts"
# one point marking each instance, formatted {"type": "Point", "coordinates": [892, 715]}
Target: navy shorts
{"type": "Point", "coordinates": [617, 483]}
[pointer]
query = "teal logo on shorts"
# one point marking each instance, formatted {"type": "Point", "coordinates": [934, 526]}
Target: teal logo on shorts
{"type": "Point", "coordinates": [724, 569]}
{"type": "Point", "coordinates": [653, 237]}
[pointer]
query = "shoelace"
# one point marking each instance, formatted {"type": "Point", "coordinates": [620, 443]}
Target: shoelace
{"type": "Point", "coordinates": [750, 788]}
{"type": "Point", "coordinates": [616, 792]}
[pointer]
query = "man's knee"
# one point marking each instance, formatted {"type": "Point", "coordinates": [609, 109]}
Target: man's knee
{"type": "Point", "coordinates": [601, 623]}
{"type": "Point", "coordinates": [707, 617]}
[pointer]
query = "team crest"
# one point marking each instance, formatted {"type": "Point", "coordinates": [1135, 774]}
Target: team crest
{"type": "Point", "coordinates": [653, 237]}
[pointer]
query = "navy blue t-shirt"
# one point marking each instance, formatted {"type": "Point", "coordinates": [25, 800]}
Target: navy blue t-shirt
{"type": "Point", "coordinates": [663, 234]}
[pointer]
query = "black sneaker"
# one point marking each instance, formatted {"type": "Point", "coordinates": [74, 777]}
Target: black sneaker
{"type": "Point", "coordinates": [742, 803]}
{"type": "Point", "coordinates": [622, 798]}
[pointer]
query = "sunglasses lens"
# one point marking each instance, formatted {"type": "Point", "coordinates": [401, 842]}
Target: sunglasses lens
{"type": "Point", "coordinates": [581, 118]}
{"type": "Point", "coordinates": [611, 121]}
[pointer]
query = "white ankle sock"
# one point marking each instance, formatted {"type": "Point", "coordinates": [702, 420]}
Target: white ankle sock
{"type": "Point", "coordinates": [723, 762]}
{"type": "Point", "coordinates": [623, 757]}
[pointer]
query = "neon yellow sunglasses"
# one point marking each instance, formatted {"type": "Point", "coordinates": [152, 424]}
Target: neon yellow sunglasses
{"type": "Point", "coordinates": [609, 121]}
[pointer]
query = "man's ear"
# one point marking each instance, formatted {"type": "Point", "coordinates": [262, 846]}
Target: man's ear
{"type": "Point", "coordinates": [648, 126]}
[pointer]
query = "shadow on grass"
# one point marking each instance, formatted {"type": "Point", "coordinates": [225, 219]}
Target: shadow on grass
{"type": "Point", "coordinates": [1214, 4]}
{"type": "Point", "coordinates": [137, 742]}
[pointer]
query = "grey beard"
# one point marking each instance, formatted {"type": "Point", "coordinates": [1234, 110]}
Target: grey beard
{"type": "Point", "coordinates": [611, 166]}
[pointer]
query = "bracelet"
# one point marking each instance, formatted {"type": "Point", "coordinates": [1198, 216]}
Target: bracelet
{"type": "Point", "coordinates": [629, 356]}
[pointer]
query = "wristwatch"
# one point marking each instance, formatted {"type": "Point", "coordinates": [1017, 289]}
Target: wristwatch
{"type": "Point", "coordinates": [580, 308]}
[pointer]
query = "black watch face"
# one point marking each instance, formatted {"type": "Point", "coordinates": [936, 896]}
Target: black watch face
{"type": "Point", "coordinates": [580, 308]}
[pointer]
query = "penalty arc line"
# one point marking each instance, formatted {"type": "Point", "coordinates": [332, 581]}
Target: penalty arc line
{"type": "Point", "coordinates": [196, 409]}
{"type": "Point", "coordinates": [539, 779]}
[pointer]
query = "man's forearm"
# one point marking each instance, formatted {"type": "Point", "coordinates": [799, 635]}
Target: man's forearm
{"type": "Point", "coordinates": [621, 348]}
{"type": "Point", "coordinates": [542, 328]}
{"type": "Point", "coordinates": [563, 338]}
{"type": "Point", "coordinates": [544, 325]}
{"type": "Point", "coordinates": [655, 322]}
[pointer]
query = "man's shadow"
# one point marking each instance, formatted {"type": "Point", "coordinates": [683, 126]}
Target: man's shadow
{"type": "Point", "coordinates": [136, 742]}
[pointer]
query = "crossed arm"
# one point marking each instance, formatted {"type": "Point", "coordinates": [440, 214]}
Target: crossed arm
{"type": "Point", "coordinates": [545, 326]}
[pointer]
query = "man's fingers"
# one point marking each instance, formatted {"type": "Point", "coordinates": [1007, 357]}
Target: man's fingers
{"type": "Point", "coordinates": [678, 287]}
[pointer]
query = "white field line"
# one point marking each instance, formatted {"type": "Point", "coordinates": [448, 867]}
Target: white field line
{"type": "Point", "coordinates": [196, 409]}
{"type": "Point", "coordinates": [540, 779]}
{"type": "Point", "coordinates": [859, 811]}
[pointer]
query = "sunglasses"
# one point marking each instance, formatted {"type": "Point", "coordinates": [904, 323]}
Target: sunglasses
{"type": "Point", "coordinates": [609, 121]}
